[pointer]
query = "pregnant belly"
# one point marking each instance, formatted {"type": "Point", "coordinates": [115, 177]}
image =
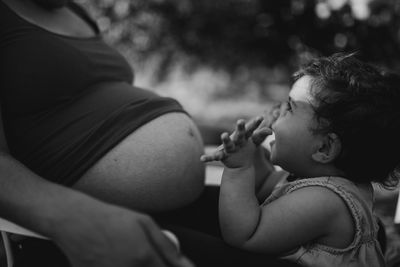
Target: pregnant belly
{"type": "Point", "coordinates": [155, 168]}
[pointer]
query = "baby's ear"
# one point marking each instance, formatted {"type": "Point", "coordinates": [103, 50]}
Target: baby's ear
{"type": "Point", "coordinates": [329, 149]}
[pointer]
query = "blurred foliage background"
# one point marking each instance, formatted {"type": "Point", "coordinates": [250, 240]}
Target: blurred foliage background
{"type": "Point", "coordinates": [233, 58]}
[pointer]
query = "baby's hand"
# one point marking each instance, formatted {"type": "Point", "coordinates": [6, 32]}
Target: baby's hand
{"type": "Point", "coordinates": [271, 115]}
{"type": "Point", "coordinates": [237, 149]}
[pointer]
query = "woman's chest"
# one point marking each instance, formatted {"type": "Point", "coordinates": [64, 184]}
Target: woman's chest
{"type": "Point", "coordinates": [40, 72]}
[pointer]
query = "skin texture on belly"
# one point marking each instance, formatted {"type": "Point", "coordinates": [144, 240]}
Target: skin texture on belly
{"type": "Point", "coordinates": [156, 168]}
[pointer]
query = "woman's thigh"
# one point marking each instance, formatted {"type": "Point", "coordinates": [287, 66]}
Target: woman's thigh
{"type": "Point", "coordinates": [207, 251]}
{"type": "Point", "coordinates": [197, 229]}
{"type": "Point", "coordinates": [156, 168]}
{"type": "Point", "coordinates": [201, 215]}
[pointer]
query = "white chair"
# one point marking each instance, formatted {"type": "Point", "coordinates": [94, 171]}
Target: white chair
{"type": "Point", "coordinates": [9, 227]}
{"type": "Point", "coordinates": [397, 214]}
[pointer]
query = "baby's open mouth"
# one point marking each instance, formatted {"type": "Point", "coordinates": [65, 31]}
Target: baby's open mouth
{"type": "Point", "coordinates": [269, 141]}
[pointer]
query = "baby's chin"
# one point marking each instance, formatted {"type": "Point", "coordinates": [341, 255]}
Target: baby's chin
{"type": "Point", "coordinates": [272, 148]}
{"type": "Point", "coordinates": [273, 157]}
{"type": "Point", "coordinates": [280, 163]}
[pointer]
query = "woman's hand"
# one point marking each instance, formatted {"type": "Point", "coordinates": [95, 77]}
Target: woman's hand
{"type": "Point", "coordinates": [237, 150]}
{"type": "Point", "coordinates": [111, 236]}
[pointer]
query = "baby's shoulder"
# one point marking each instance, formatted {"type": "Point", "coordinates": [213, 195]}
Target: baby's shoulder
{"type": "Point", "coordinates": [338, 218]}
{"type": "Point", "coordinates": [320, 195]}
{"type": "Point", "coordinates": [334, 193]}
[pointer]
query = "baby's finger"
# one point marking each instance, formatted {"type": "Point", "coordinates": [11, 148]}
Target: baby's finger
{"type": "Point", "coordinates": [227, 142]}
{"type": "Point", "coordinates": [259, 135]}
{"type": "Point", "coordinates": [235, 135]}
{"type": "Point", "coordinates": [240, 132]}
{"type": "Point", "coordinates": [253, 125]}
{"type": "Point", "coordinates": [219, 154]}
{"type": "Point", "coordinates": [214, 157]}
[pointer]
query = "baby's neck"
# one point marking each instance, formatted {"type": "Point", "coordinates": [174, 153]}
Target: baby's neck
{"type": "Point", "coordinates": [320, 171]}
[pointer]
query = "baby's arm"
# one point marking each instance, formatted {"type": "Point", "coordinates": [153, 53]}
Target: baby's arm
{"type": "Point", "coordinates": [292, 220]}
{"type": "Point", "coordinates": [239, 209]}
{"type": "Point", "coordinates": [268, 183]}
{"type": "Point", "coordinates": [238, 201]}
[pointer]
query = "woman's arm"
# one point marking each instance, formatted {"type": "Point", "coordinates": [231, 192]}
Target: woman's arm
{"type": "Point", "coordinates": [90, 232]}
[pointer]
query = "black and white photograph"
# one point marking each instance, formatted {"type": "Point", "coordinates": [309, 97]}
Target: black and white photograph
{"type": "Point", "coordinates": [199, 133]}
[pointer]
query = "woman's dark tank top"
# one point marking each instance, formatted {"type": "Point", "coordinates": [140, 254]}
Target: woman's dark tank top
{"type": "Point", "coordinates": [67, 101]}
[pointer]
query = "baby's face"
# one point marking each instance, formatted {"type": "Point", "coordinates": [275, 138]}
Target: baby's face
{"type": "Point", "coordinates": [294, 140]}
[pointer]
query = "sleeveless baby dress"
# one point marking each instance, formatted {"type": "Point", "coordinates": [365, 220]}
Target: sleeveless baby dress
{"type": "Point", "coordinates": [364, 250]}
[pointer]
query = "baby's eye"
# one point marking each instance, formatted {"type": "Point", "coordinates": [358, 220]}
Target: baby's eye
{"type": "Point", "coordinates": [288, 106]}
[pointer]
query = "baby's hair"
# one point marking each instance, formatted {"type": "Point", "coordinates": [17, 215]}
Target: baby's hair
{"type": "Point", "coordinates": [361, 104]}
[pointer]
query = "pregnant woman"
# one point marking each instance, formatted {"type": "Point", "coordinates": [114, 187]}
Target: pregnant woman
{"type": "Point", "coordinates": [71, 116]}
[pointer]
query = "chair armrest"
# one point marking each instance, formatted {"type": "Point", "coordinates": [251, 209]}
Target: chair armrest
{"type": "Point", "coordinates": [10, 227]}
{"type": "Point", "coordinates": [397, 213]}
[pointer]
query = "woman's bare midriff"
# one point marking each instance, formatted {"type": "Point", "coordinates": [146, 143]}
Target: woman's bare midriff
{"type": "Point", "coordinates": [155, 168]}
